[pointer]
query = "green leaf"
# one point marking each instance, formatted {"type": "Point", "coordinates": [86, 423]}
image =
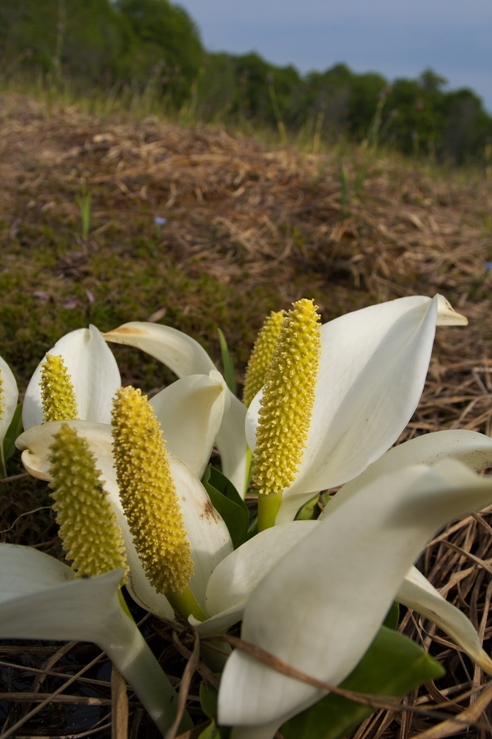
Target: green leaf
{"type": "Point", "coordinates": [392, 666]}
{"type": "Point", "coordinates": [227, 501]}
{"type": "Point", "coordinates": [211, 732]}
{"type": "Point", "coordinates": [208, 699]}
{"type": "Point", "coordinates": [13, 432]}
{"type": "Point", "coordinates": [253, 528]}
{"type": "Point", "coordinates": [222, 483]}
{"type": "Point", "coordinates": [310, 510]}
{"type": "Point", "coordinates": [227, 363]}
{"type": "Point", "coordinates": [208, 702]}
{"type": "Point", "coordinates": [393, 616]}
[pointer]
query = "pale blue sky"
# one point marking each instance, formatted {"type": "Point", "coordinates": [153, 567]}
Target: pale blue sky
{"type": "Point", "coordinates": [398, 38]}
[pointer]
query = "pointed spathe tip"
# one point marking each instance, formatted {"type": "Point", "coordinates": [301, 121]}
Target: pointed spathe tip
{"type": "Point", "coordinates": [446, 314]}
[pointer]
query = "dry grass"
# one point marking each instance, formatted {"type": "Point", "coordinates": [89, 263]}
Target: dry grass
{"type": "Point", "coordinates": [248, 229]}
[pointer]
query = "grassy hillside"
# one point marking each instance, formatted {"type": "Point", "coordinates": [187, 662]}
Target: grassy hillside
{"type": "Point", "coordinates": [247, 229]}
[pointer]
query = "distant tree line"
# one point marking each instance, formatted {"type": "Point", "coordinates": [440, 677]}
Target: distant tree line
{"type": "Point", "coordinates": [103, 43]}
{"type": "Point", "coordinates": [413, 116]}
{"type": "Point", "coordinates": [137, 45]}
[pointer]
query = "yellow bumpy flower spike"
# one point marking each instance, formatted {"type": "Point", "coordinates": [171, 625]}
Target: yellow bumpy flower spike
{"type": "Point", "coordinates": [262, 355]}
{"type": "Point", "coordinates": [57, 391]}
{"type": "Point", "coordinates": [286, 408]}
{"type": "Point", "coordinates": [148, 494]}
{"type": "Point", "coordinates": [88, 527]}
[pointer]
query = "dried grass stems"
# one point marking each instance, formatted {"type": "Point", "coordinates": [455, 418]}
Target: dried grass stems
{"type": "Point", "coordinates": [238, 211]}
{"type": "Point", "coordinates": [250, 217]}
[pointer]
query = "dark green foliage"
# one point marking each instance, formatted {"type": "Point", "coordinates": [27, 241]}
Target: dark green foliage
{"type": "Point", "coordinates": [466, 126]}
{"type": "Point", "coordinates": [85, 38]}
{"type": "Point", "coordinates": [324, 97]}
{"type": "Point", "coordinates": [167, 43]}
{"type": "Point", "coordinates": [228, 503]}
{"type": "Point", "coordinates": [135, 42]}
{"type": "Point", "coordinates": [416, 116]}
{"type": "Point", "coordinates": [248, 87]}
{"type": "Point", "coordinates": [23, 40]}
{"type": "Point", "coordinates": [216, 86]}
{"type": "Point", "coordinates": [420, 118]}
{"type": "Point", "coordinates": [431, 81]}
{"type": "Point", "coordinates": [13, 432]}
{"type": "Point", "coordinates": [365, 93]}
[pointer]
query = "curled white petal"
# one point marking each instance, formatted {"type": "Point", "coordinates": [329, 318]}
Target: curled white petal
{"type": "Point", "coordinates": [238, 574]}
{"type": "Point", "coordinates": [220, 622]}
{"type": "Point", "coordinates": [468, 447]}
{"type": "Point", "coordinates": [190, 412]}
{"type": "Point", "coordinates": [446, 314]}
{"type": "Point", "coordinates": [184, 356]}
{"type": "Point", "coordinates": [231, 443]}
{"type": "Point", "coordinates": [209, 537]}
{"type": "Point", "coordinates": [417, 592]}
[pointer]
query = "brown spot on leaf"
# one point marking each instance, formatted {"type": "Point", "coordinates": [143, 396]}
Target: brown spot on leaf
{"type": "Point", "coordinates": [209, 512]}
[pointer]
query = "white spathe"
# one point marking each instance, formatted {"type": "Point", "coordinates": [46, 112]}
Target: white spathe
{"type": "Point", "coordinates": [320, 607]}
{"type": "Point", "coordinates": [373, 367]}
{"type": "Point", "coordinates": [224, 579]}
{"type": "Point", "coordinates": [93, 371]}
{"type": "Point", "coordinates": [184, 356]}
{"type": "Point", "coordinates": [470, 447]}
{"type": "Point", "coordinates": [8, 400]}
{"type": "Point", "coordinates": [236, 576]}
{"type": "Point", "coordinates": [41, 599]}
{"type": "Point", "coordinates": [416, 592]}
{"type": "Point", "coordinates": [190, 412]}
{"type": "Point", "coordinates": [209, 537]}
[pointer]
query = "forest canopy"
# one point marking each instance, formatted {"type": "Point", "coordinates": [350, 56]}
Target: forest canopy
{"type": "Point", "coordinates": [137, 45]}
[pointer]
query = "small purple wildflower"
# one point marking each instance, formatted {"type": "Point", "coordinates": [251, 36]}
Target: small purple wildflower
{"type": "Point", "coordinates": [160, 221]}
